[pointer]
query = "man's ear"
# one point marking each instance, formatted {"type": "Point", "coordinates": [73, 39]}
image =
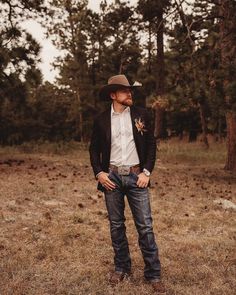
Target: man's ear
{"type": "Point", "coordinates": [112, 95]}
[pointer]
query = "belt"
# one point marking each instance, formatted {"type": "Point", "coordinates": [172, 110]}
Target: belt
{"type": "Point", "coordinates": [125, 170]}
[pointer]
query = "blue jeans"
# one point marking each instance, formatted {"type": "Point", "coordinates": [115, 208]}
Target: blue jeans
{"type": "Point", "coordinates": [138, 199]}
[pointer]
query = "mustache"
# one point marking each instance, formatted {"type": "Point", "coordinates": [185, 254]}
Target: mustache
{"type": "Point", "coordinates": [128, 102]}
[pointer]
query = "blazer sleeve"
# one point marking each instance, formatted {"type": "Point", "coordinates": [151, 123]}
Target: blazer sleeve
{"type": "Point", "coordinates": [95, 149]}
{"type": "Point", "coordinates": [150, 143]}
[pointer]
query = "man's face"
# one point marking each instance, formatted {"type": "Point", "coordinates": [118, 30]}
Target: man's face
{"type": "Point", "coordinates": [123, 96]}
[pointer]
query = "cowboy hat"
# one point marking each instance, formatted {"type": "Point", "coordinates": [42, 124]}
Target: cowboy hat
{"type": "Point", "coordinates": [115, 83]}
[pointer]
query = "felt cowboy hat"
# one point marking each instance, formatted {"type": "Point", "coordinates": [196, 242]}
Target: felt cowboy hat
{"type": "Point", "coordinates": [115, 83]}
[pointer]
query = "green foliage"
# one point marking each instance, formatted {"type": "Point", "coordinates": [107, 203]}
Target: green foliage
{"type": "Point", "coordinates": [120, 39]}
{"type": "Point", "coordinates": [19, 55]}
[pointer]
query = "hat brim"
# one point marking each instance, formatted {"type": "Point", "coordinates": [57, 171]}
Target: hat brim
{"type": "Point", "coordinates": [106, 90]}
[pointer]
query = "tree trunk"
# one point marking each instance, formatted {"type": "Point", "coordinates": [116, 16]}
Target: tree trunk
{"type": "Point", "coordinates": [160, 68]}
{"type": "Point", "coordinates": [204, 124]}
{"type": "Point", "coordinates": [192, 135]}
{"type": "Point", "coordinates": [228, 61]}
{"type": "Point", "coordinates": [81, 127]}
{"type": "Point", "coordinates": [159, 119]}
{"type": "Point", "coordinates": [160, 79]}
{"type": "Point", "coordinates": [220, 129]}
{"type": "Point", "coordinates": [121, 66]}
{"type": "Point", "coordinates": [79, 122]}
{"type": "Point", "coordinates": [149, 48]}
{"type": "Point", "coordinates": [231, 141]}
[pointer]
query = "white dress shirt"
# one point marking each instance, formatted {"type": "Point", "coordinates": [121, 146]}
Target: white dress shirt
{"type": "Point", "coordinates": [123, 149]}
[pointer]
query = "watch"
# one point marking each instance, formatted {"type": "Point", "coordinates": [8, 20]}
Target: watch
{"type": "Point", "coordinates": [146, 172]}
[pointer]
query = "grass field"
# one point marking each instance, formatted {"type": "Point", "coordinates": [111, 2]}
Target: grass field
{"type": "Point", "coordinates": [54, 231]}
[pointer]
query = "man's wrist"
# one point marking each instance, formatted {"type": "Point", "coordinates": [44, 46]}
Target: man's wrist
{"type": "Point", "coordinates": [146, 172]}
{"type": "Point", "coordinates": [98, 174]}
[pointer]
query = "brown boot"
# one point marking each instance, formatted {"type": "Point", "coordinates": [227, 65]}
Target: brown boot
{"type": "Point", "coordinates": [158, 287]}
{"type": "Point", "coordinates": [117, 276]}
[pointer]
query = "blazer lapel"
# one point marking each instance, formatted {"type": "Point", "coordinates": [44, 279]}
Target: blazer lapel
{"type": "Point", "coordinates": [134, 116]}
{"type": "Point", "coordinates": [107, 126]}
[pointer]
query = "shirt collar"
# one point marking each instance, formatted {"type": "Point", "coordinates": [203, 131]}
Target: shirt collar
{"type": "Point", "coordinates": [127, 109]}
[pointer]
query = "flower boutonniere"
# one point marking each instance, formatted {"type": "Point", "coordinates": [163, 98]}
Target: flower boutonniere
{"type": "Point", "coordinates": [139, 124]}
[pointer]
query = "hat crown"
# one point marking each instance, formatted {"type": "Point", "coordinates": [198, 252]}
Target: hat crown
{"type": "Point", "coordinates": [115, 83]}
{"type": "Point", "coordinates": [119, 80]}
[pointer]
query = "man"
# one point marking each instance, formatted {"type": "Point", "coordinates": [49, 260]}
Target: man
{"type": "Point", "coordinates": [122, 154]}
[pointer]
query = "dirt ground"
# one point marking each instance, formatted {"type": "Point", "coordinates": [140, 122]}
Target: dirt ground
{"type": "Point", "coordinates": [54, 231]}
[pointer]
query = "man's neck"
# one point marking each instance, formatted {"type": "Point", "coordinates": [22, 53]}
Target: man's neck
{"type": "Point", "coordinates": [118, 108]}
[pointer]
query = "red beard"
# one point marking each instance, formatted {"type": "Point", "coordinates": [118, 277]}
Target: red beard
{"type": "Point", "coordinates": [128, 102]}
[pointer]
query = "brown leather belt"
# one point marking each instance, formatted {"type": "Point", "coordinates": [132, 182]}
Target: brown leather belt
{"type": "Point", "coordinates": [125, 170]}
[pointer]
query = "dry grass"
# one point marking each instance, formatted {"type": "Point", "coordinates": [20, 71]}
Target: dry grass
{"type": "Point", "coordinates": [54, 236]}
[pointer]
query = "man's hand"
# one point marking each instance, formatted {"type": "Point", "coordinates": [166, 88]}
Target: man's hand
{"type": "Point", "coordinates": [105, 181]}
{"type": "Point", "coordinates": [143, 180]}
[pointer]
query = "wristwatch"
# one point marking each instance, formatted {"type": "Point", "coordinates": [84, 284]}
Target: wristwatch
{"type": "Point", "coordinates": [146, 172]}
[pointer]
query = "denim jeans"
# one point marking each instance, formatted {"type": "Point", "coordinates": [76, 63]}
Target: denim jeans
{"type": "Point", "coordinates": [138, 199]}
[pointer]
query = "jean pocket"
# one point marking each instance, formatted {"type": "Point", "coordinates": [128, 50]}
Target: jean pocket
{"type": "Point", "coordinates": [134, 176]}
{"type": "Point", "coordinates": [110, 174]}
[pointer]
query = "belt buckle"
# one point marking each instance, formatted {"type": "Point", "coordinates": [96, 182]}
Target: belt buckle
{"type": "Point", "coordinates": [124, 170]}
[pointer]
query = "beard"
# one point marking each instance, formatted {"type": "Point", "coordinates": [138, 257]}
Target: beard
{"type": "Point", "coordinates": [127, 102]}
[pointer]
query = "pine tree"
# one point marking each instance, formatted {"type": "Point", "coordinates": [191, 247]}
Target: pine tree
{"type": "Point", "coordinates": [69, 23]}
{"type": "Point", "coordinates": [152, 12]}
{"type": "Point", "coordinates": [19, 55]}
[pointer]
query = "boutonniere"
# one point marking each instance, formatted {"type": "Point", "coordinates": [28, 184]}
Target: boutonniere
{"type": "Point", "coordinates": [139, 124]}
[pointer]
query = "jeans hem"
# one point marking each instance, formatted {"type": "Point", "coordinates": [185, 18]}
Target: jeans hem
{"type": "Point", "coordinates": [155, 280]}
{"type": "Point", "coordinates": [120, 270]}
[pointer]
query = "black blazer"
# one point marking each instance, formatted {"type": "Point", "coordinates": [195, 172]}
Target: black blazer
{"type": "Point", "coordinates": [100, 145]}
